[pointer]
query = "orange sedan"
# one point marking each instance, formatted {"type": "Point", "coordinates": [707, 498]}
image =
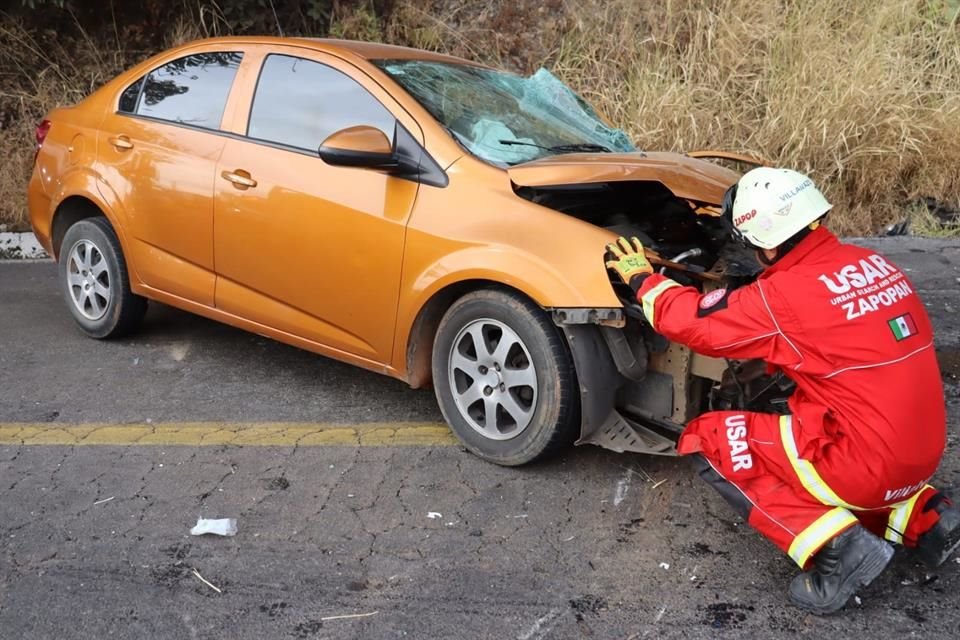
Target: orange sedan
{"type": "Point", "coordinates": [415, 214]}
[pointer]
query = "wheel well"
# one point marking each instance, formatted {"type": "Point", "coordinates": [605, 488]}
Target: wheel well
{"type": "Point", "coordinates": [71, 211]}
{"type": "Point", "coordinates": [420, 344]}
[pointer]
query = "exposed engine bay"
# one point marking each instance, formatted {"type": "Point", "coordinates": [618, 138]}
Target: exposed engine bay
{"type": "Point", "coordinates": [661, 385]}
{"type": "Point", "coordinates": [668, 225]}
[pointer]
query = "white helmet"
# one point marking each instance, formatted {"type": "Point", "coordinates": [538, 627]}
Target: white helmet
{"type": "Point", "coordinates": [770, 205]}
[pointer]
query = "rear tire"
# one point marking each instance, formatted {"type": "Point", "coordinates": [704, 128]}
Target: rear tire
{"type": "Point", "coordinates": [504, 378]}
{"type": "Point", "coordinates": [95, 282]}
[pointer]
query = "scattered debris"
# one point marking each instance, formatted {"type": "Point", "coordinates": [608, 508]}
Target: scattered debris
{"type": "Point", "coordinates": [540, 626]}
{"type": "Point", "coordinates": [221, 527]}
{"type": "Point", "coordinates": [900, 228]}
{"type": "Point", "coordinates": [306, 629]}
{"type": "Point", "coordinates": [104, 500]}
{"type": "Point", "coordinates": [623, 486]}
{"type": "Point", "coordinates": [349, 615]}
{"type": "Point", "coordinates": [278, 483]}
{"type": "Point", "coordinates": [569, 539]}
{"type": "Point", "coordinates": [660, 613]}
{"type": "Point", "coordinates": [275, 609]}
{"type": "Point", "coordinates": [588, 604]}
{"type": "Point", "coordinates": [665, 566]}
{"type": "Point", "coordinates": [658, 484]}
{"type": "Point", "coordinates": [725, 614]}
{"type": "Point", "coordinates": [920, 581]}
{"type": "Point", "coordinates": [433, 515]}
{"type": "Point", "coordinates": [857, 600]}
{"type": "Point", "coordinates": [205, 581]}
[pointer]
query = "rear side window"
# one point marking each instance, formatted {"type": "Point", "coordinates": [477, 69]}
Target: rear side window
{"type": "Point", "coordinates": [192, 90]}
{"type": "Point", "coordinates": [128, 99]}
{"type": "Point", "coordinates": [299, 103]}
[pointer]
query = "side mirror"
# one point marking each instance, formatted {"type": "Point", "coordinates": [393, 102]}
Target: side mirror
{"type": "Point", "coordinates": [360, 146]}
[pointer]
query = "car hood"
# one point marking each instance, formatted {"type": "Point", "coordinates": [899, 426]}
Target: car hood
{"type": "Point", "coordinates": [686, 177]}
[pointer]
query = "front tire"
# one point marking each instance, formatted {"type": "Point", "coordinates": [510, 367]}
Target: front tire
{"type": "Point", "coordinates": [504, 378]}
{"type": "Point", "coordinates": [96, 286]}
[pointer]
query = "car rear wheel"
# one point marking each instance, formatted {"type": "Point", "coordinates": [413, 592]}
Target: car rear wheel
{"type": "Point", "coordinates": [504, 378]}
{"type": "Point", "coordinates": [93, 274]}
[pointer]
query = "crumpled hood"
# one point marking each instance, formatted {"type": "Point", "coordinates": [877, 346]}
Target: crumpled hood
{"type": "Point", "coordinates": [685, 177]}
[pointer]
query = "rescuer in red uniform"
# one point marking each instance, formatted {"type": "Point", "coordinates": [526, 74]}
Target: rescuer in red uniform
{"type": "Point", "coordinates": [845, 473]}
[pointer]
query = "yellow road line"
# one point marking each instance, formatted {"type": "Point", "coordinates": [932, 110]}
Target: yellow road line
{"type": "Point", "coordinates": [256, 434]}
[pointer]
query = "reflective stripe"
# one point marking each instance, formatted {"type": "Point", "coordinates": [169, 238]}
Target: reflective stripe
{"type": "Point", "coordinates": [650, 297]}
{"type": "Point", "coordinates": [808, 475]}
{"type": "Point", "coordinates": [900, 517]}
{"type": "Point", "coordinates": [819, 533]}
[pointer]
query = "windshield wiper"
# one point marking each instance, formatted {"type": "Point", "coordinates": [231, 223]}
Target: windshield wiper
{"type": "Point", "coordinates": [576, 147]}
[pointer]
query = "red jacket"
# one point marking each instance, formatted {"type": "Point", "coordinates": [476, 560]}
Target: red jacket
{"type": "Point", "coordinates": [848, 327]}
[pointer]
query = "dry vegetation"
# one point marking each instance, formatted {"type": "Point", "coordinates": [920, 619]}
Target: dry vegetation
{"type": "Point", "coordinates": [863, 94]}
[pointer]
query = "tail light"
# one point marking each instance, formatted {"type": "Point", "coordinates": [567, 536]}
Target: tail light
{"type": "Point", "coordinates": [41, 134]}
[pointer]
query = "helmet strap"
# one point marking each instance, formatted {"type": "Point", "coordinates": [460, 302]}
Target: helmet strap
{"type": "Point", "coordinates": [762, 256]}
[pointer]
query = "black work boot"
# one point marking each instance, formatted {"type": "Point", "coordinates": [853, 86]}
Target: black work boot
{"type": "Point", "coordinates": [846, 563]}
{"type": "Point", "coordinates": [939, 543]}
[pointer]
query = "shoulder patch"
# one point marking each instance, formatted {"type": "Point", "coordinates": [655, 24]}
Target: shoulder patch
{"type": "Point", "coordinates": [713, 301]}
{"type": "Point", "coordinates": [712, 298]}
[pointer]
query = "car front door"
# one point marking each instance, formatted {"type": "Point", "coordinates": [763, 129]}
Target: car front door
{"type": "Point", "coordinates": [303, 247]}
{"type": "Point", "coordinates": [158, 154]}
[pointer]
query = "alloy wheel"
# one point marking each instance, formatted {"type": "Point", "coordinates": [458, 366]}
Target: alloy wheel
{"type": "Point", "coordinates": [88, 280]}
{"type": "Point", "coordinates": [493, 380]}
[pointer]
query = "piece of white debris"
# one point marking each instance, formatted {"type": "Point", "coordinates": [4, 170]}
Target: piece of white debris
{"type": "Point", "coordinates": [221, 527]}
{"type": "Point", "coordinates": [206, 582]}
{"type": "Point", "coordinates": [433, 515]}
{"type": "Point", "coordinates": [104, 500]}
{"type": "Point", "coordinates": [349, 616]}
{"type": "Point", "coordinates": [857, 600]}
{"type": "Point", "coordinates": [664, 566]}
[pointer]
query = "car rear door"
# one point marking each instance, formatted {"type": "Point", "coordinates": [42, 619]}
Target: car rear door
{"type": "Point", "coordinates": [158, 154]}
{"type": "Point", "coordinates": [301, 246]}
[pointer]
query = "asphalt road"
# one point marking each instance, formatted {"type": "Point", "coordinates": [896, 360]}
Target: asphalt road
{"type": "Point", "coordinates": [423, 537]}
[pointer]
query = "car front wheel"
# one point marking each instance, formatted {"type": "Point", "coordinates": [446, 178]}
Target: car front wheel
{"type": "Point", "coordinates": [95, 283]}
{"type": "Point", "coordinates": [504, 378]}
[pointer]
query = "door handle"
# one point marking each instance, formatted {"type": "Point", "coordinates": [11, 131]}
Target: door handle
{"type": "Point", "coordinates": [238, 178]}
{"type": "Point", "coordinates": [122, 143]}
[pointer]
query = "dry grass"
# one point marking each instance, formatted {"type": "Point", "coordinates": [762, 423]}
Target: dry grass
{"type": "Point", "coordinates": [862, 94]}
{"type": "Point", "coordinates": [40, 73]}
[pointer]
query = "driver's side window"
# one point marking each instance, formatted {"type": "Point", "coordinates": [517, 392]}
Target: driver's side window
{"type": "Point", "coordinates": [298, 103]}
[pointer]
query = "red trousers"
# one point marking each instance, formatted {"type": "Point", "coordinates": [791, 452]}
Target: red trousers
{"type": "Point", "coordinates": [799, 505]}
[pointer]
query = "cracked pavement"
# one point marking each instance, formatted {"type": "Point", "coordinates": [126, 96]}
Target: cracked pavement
{"type": "Point", "coordinates": [94, 540]}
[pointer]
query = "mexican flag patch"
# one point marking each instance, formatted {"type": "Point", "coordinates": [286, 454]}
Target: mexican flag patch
{"type": "Point", "coordinates": [903, 327]}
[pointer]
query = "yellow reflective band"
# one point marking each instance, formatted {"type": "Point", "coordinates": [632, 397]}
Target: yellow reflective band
{"type": "Point", "coordinates": [819, 533]}
{"type": "Point", "coordinates": [900, 517]}
{"type": "Point", "coordinates": [650, 297]}
{"type": "Point", "coordinates": [808, 475]}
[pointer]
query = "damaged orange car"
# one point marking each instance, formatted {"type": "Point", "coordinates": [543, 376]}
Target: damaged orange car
{"type": "Point", "coordinates": [415, 214]}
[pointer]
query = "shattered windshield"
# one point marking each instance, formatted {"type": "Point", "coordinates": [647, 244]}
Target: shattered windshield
{"type": "Point", "coordinates": [502, 118]}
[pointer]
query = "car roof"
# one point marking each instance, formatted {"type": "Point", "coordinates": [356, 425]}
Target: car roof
{"type": "Point", "coordinates": [365, 50]}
